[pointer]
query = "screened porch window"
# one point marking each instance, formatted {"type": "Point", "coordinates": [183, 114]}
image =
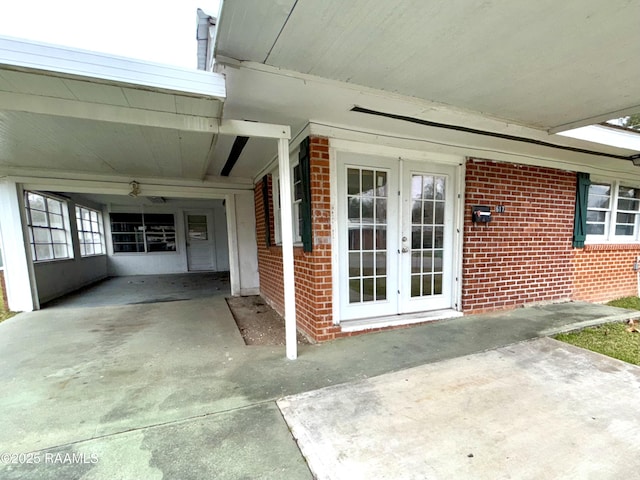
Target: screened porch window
{"type": "Point", "coordinates": [90, 231]}
{"type": "Point", "coordinates": [48, 225]}
{"type": "Point", "coordinates": [143, 233]}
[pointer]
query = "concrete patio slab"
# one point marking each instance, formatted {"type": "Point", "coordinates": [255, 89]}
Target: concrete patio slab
{"type": "Point", "coordinates": [539, 409]}
{"type": "Point", "coordinates": [246, 443]}
{"type": "Point", "coordinates": [141, 289]}
{"type": "Point", "coordinates": [93, 378]}
{"type": "Point", "coordinates": [80, 373]}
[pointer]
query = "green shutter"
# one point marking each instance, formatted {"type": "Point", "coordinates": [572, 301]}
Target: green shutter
{"type": "Point", "coordinates": [265, 204]}
{"type": "Point", "coordinates": [305, 207]}
{"type": "Point", "coordinates": [580, 218]}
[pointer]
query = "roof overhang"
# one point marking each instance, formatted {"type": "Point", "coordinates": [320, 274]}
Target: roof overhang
{"type": "Point", "coordinates": [342, 110]}
{"type": "Point", "coordinates": [108, 69]}
{"type": "Point", "coordinates": [68, 110]}
{"type": "Point", "coordinates": [545, 65]}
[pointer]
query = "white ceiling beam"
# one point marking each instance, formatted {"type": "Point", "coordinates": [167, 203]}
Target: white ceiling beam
{"type": "Point", "coordinates": [597, 119]}
{"type": "Point", "coordinates": [112, 188]}
{"type": "Point", "coordinates": [20, 102]}
{"type": "Point", "coordinates": [244, 128]}
{"type": "Point", "coordinates": [70, 182]}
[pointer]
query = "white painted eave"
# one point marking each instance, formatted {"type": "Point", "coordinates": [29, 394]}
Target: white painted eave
{"type": "Point", "coordinates": [25, 54]}
{"type": "Point", "coordinates": [288, 97]}
{"type": "Point", "coordinates": [546, 65]}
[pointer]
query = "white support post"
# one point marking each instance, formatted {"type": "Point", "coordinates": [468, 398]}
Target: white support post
{"type": "Point", "coordinates": [287, 249]}
{"type": "Point", "coordinates": [232, 237]}
{"type": "Point", "coordinates": [21, 290]}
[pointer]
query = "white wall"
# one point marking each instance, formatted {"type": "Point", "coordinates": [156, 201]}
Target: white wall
{"type": "Point", "coordinates": [59, 277]}
{"type": "Point", "coordinates": [152, 263]}
{"type": "Point", "coordinates": [155, 263]}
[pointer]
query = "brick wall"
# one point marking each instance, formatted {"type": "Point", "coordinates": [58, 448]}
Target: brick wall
{"type": "Point", "coordinates": [312, 269]}
{"type": "Point", "coordinates": [605, 272]}
{"type": "Point", "coordinates": [525, 254]}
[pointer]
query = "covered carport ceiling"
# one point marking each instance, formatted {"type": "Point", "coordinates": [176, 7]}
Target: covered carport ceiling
{"type": "Point", "coordinates": [547, 65]}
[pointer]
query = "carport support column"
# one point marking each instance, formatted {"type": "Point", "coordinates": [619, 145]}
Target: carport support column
{"type": "Point", "coordinates": [18, 267]}
{"type": "Point", "coordinates": [287, 248]}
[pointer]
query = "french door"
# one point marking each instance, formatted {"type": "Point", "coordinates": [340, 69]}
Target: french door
{"type": "Point", "coordinates": [396, 224]}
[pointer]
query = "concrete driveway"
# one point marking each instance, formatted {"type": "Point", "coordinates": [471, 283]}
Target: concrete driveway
{"type": "Point", "coordinates": [539, 409]}
{"type": "Point", "coordinates": [169, 390]}
{"type": "Point", "coordinates": [145, 391]}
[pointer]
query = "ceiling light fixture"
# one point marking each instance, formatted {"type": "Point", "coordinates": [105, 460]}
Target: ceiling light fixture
{"type": "Point", "coordinates": [135, 189]}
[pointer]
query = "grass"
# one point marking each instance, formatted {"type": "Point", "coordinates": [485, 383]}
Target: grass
{"type": "Point", "coordinates": [611, 339]}
{"type": "Point", "coordinates": [5, 315]}
{"type": "Point", "coordinates": [632, 303]}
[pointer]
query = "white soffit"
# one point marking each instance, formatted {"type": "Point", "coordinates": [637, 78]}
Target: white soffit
{"type": "Point", "coordinates": [542, 64]}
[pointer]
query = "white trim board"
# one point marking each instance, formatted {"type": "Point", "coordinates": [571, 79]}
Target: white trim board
{"type": "Point", "coordinates": [29, 174]}
{"type": "Point", "coordinates": [146, 190]}
{"type": "Point", "coordinates": [457, 143]}
{"type": "Point", "coordinates": [62, 107]}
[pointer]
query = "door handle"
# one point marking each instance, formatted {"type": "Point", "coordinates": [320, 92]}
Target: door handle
{"type": "Point", "coordinates": [405, 249]}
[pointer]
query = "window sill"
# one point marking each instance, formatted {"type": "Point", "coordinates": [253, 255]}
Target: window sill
{"type": "Point", "coordinates": [53, 260]}
{"type": "Point", "coordinates": [124, 254]}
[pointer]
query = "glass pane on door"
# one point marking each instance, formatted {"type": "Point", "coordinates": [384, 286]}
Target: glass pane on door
{"type": "Point", "coordinates": [427, 234]}
{"type": "Point", "coordinates": [197, 227]}
{"type": "Point", "coordinates": [367, 199]}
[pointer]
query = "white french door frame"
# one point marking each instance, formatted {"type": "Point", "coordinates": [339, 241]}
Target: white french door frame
{"type": "Point", "coordinates": [388, 305]}
{"type": "Point", "coordinates": [409, 169]}
{"type": "Point", "coordinates": [392, 158]}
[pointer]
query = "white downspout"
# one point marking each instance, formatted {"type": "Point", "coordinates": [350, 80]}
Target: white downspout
{"type": "Point", "coordinates": [286, 223]}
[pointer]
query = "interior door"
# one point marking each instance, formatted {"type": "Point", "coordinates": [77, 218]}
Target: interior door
{"type": "Point", "coordinates": [427, 242]}
{"type": "Point", "coordinates": [200, 241]}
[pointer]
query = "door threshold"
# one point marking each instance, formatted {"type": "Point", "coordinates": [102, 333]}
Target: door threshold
{"type": "Point", "coordinates": [397, 320]}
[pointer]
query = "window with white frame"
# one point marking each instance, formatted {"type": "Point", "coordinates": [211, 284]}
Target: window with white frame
{"type": "Point", "coordinates": [143, 232]}
{"type": "Point", "coordinates": [296, 202]}
{"type": "Point", "coordinates": [613, 212]}
{"type": "Point", "coordinates": [48, 225]}
{"type": "Point", "coordinates": [90, 231]}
